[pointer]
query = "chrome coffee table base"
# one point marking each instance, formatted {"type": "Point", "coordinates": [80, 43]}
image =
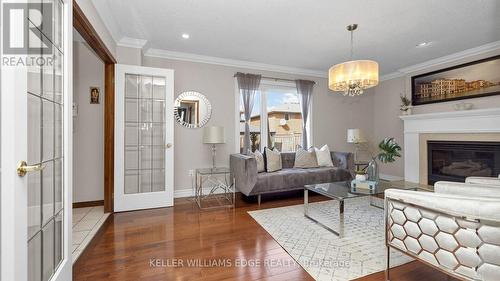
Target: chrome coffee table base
{"type": "Point", "coordinates": [340, 231]}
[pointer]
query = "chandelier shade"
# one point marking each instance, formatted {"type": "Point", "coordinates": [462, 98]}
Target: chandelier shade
{"type": "Point", "coordinates": [353, 77]}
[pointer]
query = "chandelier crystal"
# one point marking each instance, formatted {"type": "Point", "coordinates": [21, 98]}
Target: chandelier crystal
{"type": "Point", "coordinates": [354, 76]}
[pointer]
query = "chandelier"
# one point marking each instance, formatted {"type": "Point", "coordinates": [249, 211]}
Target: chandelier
{"type": "Point", "coordinates": [354, 76]}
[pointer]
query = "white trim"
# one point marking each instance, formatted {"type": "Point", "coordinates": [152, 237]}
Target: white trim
{"type": "Point", "coordinates": [487, 112]}
{"type": "Point", "coordinates": [189, 192]}
{"type": "Point", "coordinates": [455, 122]}
{"type": "Point", "coordinates": [132, 42]}
{"type": "Point", "coordinates": [234, 63]}
{"type": "Point", "coordinates": [490, 47]}
{"type": "Point", "coordinates": [392, 75]}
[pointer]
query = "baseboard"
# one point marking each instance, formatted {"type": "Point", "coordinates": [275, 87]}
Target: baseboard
{"type": "Point", "coordinates": [189, 192]}
{"type": "Point", "coordinates": [390, 177]}
{"type": "Point", "coordinates": [88, 204]}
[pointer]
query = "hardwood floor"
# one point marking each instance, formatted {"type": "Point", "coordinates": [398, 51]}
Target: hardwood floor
{"type": "Point", "coordinates": [153, 244]}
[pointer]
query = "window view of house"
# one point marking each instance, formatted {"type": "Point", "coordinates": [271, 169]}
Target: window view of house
{"type": "Point", "coordinates": [283, 120]}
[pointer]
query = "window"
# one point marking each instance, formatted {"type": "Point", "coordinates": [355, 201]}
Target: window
{"type": "Point", "coordinates": [276, 119]}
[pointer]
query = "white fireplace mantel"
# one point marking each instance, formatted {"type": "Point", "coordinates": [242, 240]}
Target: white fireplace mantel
{"type": "Point", "coordinates": [454, 122]}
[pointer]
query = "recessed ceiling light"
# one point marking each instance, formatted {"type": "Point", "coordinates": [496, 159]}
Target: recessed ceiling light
{"type": "Point", "coordinates": [185, 35]}
{"type": "Point", "coordinates": [423, 44]}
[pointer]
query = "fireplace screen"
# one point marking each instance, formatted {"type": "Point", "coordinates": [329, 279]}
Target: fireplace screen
{"type": "Point", "coordinates": [454, 161]}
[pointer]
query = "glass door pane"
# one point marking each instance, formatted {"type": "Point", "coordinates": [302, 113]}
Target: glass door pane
{"type": "Point", "coordinates": [144, 133]}
{"type": "Point", "coordinates": [45, 147]}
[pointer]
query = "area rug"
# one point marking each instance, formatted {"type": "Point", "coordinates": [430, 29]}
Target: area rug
{"type": "Point", "coordinates": [324, 255]}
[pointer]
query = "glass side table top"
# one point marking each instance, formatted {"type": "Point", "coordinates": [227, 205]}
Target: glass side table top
{"type": "Point", "coordinates": [343, 190]}
{"type": "Point", "coordinates": [213, 171]}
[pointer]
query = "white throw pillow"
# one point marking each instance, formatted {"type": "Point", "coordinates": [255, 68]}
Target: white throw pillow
{"type": "Point", "coordinates": [323, 156]}
{"type": "Point", "coordinates": [273, 160]}
{"type": "Point", "coordinates": [305, 158]}
{"type": "Point", "coordinates": [260, 160]}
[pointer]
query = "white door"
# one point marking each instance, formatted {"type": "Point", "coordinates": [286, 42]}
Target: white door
{"type": "Point", "coordinates": [144, 137]}
{"type": "Point", "coordinates": [36, 141]}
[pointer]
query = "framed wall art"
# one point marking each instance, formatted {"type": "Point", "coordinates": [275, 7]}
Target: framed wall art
{"type": "Point", "coordinates": [471, 80]}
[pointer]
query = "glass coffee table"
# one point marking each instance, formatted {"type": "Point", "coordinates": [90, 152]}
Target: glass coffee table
{"type": "Point", "coordinates": [342, 191]}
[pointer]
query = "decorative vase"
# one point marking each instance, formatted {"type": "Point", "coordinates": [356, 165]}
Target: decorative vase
{"type": "Point", "coordinates": [372, 170]}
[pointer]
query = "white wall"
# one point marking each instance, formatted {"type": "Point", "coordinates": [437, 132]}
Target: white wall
{"type": "Point", "coordinates": [386, 120]}
{"type": "Point", "coordinates": [88, 126]}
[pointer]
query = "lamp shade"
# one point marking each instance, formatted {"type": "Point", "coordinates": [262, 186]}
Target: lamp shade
{"type": "Point", "coordinates": [214, 134]}
{"type": "Point", "coordinates": [353, 77]}
{"type": "Point", "coordinates": [355, 136]}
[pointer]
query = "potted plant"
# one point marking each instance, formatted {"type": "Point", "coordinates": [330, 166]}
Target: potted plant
{"type": "Point", "coordinates": [405, 106]}
{"type": "Point", "coordinates": [389, 150]}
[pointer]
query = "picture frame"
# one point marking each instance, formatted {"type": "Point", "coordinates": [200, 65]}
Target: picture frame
{"type": "Point", "coordinates": [94, 95]}
{"type": "Point", "coordinates": [475, 79]}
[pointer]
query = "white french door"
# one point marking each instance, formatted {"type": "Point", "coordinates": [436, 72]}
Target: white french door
{"type": "Point", "coordinates": [36, 98]}
{"type": "Point", "coordinates": [144, 137]}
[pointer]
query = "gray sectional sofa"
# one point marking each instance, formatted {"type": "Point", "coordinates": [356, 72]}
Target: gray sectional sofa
{"type": "Point", "coordinates": [249, 182]}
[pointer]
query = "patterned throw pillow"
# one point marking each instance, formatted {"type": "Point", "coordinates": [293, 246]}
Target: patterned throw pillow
{"type": "Point", "coordinates": [273, 160]}
{"type": "Point", "coordinates": [260, 160]}
{"type": "Point", "coordinates": [323, 156]}
{"type": "Point", "coordinates": [305, 158]}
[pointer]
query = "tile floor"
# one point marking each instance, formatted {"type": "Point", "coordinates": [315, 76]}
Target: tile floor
{"type": "Point", "coordinates": [86, 223]}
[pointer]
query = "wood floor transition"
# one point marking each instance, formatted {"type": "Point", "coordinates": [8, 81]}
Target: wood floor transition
{"type": "Point", "coordinates": [151, 244]}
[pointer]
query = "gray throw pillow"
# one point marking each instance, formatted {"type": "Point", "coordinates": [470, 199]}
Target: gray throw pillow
{"type": "Point", "coordinates": [305, 158]}
{"type": "Point", "coordinates": [273, 160]}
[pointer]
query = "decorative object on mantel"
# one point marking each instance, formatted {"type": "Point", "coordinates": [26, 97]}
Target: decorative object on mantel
{"type": "Point", "coordinates": [214, 135]}
{"type": "Point", "coordinates": [192, 109]}
{"type": "Point", "coordinates": [354, 76]}
{"type": "Point", "coordinates": [463, 106]}
{"type": "Point", "coordinates": [389, 150]}
{"type": "Point", "coordinates": [470, 80]}
{"type": "Point", "coordinates": [405, 106]}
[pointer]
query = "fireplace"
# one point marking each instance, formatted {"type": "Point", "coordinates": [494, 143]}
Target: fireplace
{"type": "Point", "coordinates": [456, 160]}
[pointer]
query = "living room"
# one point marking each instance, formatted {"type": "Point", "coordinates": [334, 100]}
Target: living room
{"type": "Point", "coordinates": [236, 140]}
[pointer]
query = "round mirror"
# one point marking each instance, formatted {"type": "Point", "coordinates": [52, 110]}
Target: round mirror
{"type": "Point", "coordinates": [192, 109]}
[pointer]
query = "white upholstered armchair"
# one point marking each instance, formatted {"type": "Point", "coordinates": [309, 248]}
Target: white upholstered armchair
{"type": "Point", "coordinates": [456, 229]}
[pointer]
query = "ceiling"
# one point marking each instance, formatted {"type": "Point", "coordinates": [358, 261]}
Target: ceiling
{"type": "Point", "coordinates": [307, 34]}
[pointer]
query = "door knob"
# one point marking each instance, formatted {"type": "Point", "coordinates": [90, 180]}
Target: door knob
{"type": "Point", "coordinates": [23, 168]}
{"type": "Point", "coordinates": [168, 145]}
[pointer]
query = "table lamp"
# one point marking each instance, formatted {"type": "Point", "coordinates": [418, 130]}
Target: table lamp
{"type": "Point", "coordinates": [355, 136]}
{"type": "Point", "coordinates": [214, 135]}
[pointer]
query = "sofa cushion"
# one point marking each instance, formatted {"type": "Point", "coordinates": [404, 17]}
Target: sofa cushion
{"type": "Point", "coordinates": [324, 156]}
{"type": "Point", "coordinates": [273, 160]}
{"type": "Point", "coordinates": [296, 178]}
{"type": "Point", "coordinates": [305, 158]}
{"type": "Point", "coordinates": [260, 160]}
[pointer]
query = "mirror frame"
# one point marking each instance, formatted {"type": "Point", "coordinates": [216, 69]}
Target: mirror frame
{"type": "Point", "coordinates": [204, 120]}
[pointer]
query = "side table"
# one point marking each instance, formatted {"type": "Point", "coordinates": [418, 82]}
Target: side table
{"type": "Point", "coordinates": [214, 188]}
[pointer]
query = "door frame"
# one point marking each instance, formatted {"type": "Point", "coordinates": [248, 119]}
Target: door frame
{"type": "Point", "coordinates": [87, 31]}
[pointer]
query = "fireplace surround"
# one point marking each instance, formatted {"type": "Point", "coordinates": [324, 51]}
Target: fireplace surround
{"type": "Point", "coordinates": [456, 160]}
{"type": "Point", "coordinates": [466, 125]}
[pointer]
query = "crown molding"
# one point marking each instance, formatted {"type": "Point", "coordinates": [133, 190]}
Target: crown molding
{"type": "Point", "coordinates": [490, 47]}
{"type": "Point", "coordinates": [132, 42]}
{"type": "Point", "coordinates": [493, 46]}
{"type": "Point", "coordinates": [233, 63]}
{"type": "Point", "coordinates": [395, 74]}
